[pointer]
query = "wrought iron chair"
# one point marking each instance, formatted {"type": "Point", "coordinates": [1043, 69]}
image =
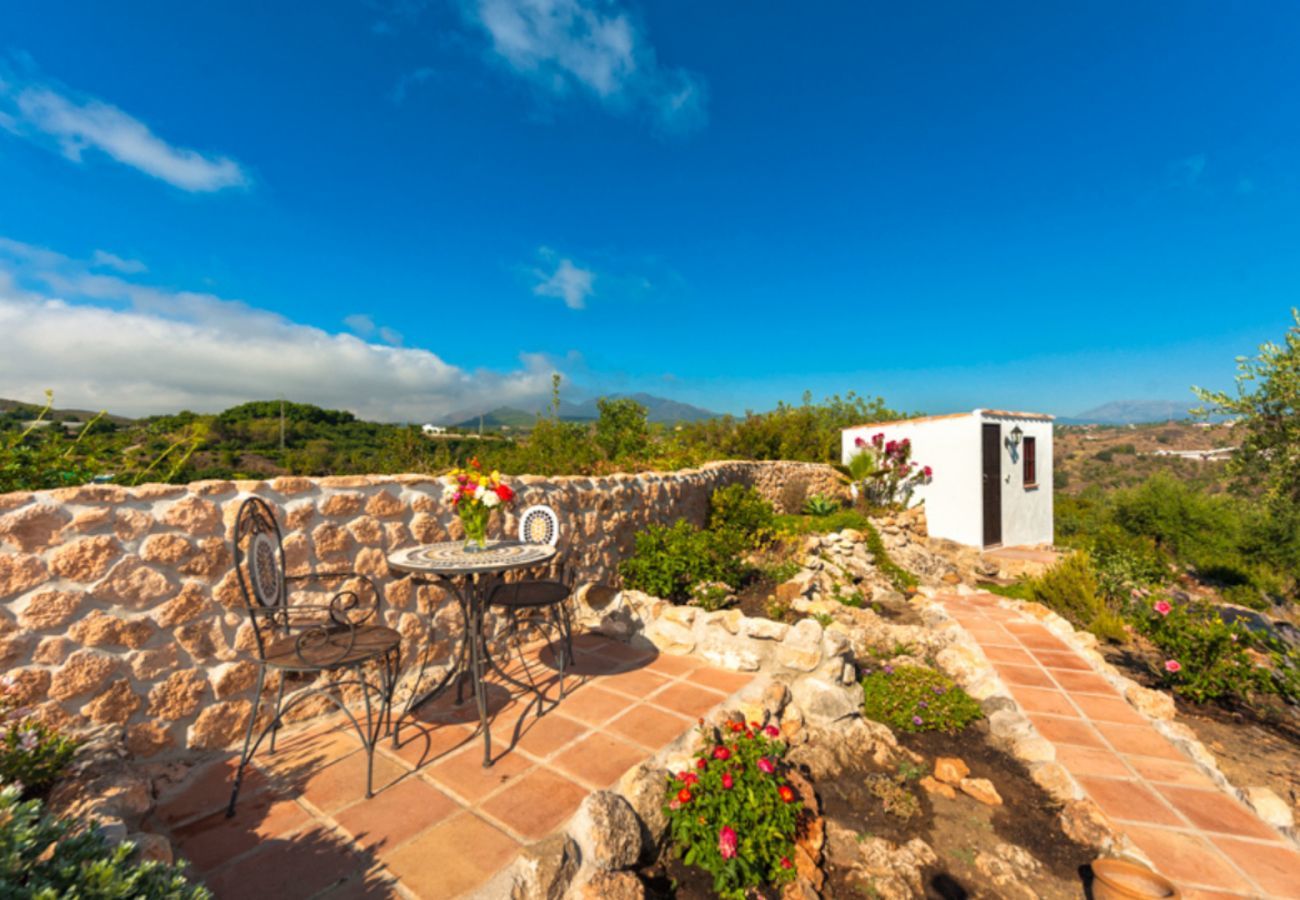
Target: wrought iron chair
{"type": "Point", "coordinates": [539, 604]}
{"type": "Point", "coordinates": [312, 639]}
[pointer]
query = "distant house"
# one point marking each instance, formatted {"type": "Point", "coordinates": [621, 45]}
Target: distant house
{"type": "Point", "coordinates": [431, 430]}
{"type": "Point", "coordinates": [992, 473]}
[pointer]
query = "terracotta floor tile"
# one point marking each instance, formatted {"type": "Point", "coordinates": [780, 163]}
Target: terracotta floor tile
{"type": "Point", "coordinates": [1139, 740]}
{"type": "Point", "coordinates": [673, 666]}
{"type": "Point", "coordinates": [434, 864]}
{"type": "Point", "coordinates": [594, 705]}
{"type": "Point", "coordinates": [630, 656]}
{"type": "Point", "coordinates": [208, 790]}
{"type": "Point", "coordinates": [687, 699]}
{"type": "Point", "coordinates": [650, 727]}
{"type": "Point", "coordinates": [423, 743]}
{"type": "Point", "coordinates": [1199, 894]}
{"type": "Point", "coordinates": [1053, 659]}
{"type": "Point", "coordinates": [535, 804]}
{"type": "Point", "coordinates": [1029, 676]}
{"type": "Point", "coordinates": [991, 634]}
{"type": "Point", "coordinates": [1046, 641]}
{"type": "Point", "coordinates": [1084, 683]}
{"type": "Point", "coordinates": [1128, 800]}
{"type": "Point", "coordinates": [1187, 859]}
{"type": "Point", "coordinates": [1213, 810]}
{"type": "Point", "coordinates": [1091, 761]}
{"type": "Point", "coordinates": [1013, 655]}
{"type": "Point", "coordinates": [720, 679]}
{"type": "Point", "coordinates": [444, 710]}
{"type": "Point", "coordinates": [599, 759]}
{"type": "Point", "coordinates": [1053, 701]}
{"type": "Point", "coordinates": [1108, 709]}
{"type": "Point", "coordinates": [1274, 866]}
{"type": "Point", "coordinates": [375, 883]}
{"type": "Point", "coordinates": [1061, 730]}
{"type": "Point", "coordinates": [637, 683]}
{"type": "Point", "coordinates": [208, 842]}
{"type": "Point", "coordinates": [462, 774]}
{"type": "Point", "coordinates": [343, 783]}
{"type": "Point", "coordinates": [599, 665]}
{"type": "Point", "coordinates": [395, 814]}
{"type": "Point", "coordinates": [1169, 771]}
{"type": "Point", "coordinates": [306, 751]}
{"type": "Point", "coordinates": [298, 865]}
{"type": "Point", "coordinates": [544, 736]}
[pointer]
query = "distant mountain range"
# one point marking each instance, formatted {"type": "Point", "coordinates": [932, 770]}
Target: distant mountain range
{"type": "Point", "coordinates": [1130, 412]}
{"type": "Point", "coordinates": [658, 409]}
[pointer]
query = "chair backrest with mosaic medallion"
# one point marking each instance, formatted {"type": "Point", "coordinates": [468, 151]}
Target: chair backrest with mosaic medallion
{"type": "Point", "coordinates": [539, 525]}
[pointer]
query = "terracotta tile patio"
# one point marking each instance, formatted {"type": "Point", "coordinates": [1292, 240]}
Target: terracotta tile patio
{"type": "Point", "coordinates": [1196, 834]}
{"type": "Point", "coordinates": [440, 825]}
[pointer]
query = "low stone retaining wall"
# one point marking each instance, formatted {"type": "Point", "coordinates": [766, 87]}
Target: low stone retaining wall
{"type": "Point", "coordinates": [119, 606]}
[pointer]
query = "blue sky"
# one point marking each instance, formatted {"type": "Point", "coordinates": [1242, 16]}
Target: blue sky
{"type": "Point", "coordinates": [408, 208]}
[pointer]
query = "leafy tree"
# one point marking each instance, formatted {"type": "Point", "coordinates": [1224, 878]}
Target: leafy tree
{"type": "Point", "coordinates": [621, 430]}
{"type": "Point", "coordinates": [1266, 405]}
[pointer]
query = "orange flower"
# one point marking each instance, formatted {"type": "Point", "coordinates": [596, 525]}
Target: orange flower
{"type": "Point", "coordinates": [786, 793]}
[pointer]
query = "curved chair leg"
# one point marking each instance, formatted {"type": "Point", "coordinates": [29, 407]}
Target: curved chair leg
{"type": "Point", "coordinates": [275, 723]}
{"type": "Point", "coordinates": [246, 753]}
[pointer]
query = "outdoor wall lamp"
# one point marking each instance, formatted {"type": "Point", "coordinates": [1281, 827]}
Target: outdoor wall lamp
{"type": "Point", "coordinates": [1014, 440]}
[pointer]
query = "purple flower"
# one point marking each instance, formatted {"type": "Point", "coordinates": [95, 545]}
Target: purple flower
{"type": "Point", "coordinates": [923, 704]}
{"type": "Point", "coordinates": [917, 720]}
{"type": "Point", "coordinates": [888, 670]}
{"type": "Point", "coordinates": [938, 691]}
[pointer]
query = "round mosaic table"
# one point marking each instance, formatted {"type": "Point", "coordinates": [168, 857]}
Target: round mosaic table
{"type": "Point", "coordinates": [468, 576]}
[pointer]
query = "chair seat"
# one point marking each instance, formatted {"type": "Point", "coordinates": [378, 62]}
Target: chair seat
{"type": "Point", "coordinates": [529, 594]}
{"type": "Point", "coordinates": [332, 650]}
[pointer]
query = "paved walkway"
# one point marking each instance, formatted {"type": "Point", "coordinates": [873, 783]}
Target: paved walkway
{"type": "Point", "coordinates": [439, 825]}
{"type": "Point", "coordinates": [1197, 835]}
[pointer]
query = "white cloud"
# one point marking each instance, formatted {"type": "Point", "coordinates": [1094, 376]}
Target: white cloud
{"type": "Point", "coordinates": [591, 45]}
{"type": "Point", "coordinates": [364, 326]}
{"type": "Point", "coordinates": [567, 281]}
{"type": "Point", "coordinates": [103, 341]}
{"type": "Point", "coordinates": [44, 112]}
{"type": "Point", "coordinates": [105, 260]}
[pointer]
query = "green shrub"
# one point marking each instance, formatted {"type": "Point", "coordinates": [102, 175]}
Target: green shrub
{"type": "Point", "coordinates": [902, 580]}
{"type": "Point", "coordinates": [796, 525]}
{"type": "Point", "coordinates": [733, 815]}
{"type": "Point", "coordinates": [710, 595]}
{"type": "Point", "coordinates": [669, 561]}
{"type": "Point", "coordinates": [911, 698]}
{"type": "Point", "coordinates": [31, 754]}
{"type": "Point", "coordinates": [1070, 589]}
{"type": "Point", "coordinates": [1205, 657]}
{"type": "Point", "coordinates": [741, 510]}
{"type": "Point", "coordinates": [819, 505]}
{"type": "Point", "coordinates": [45, 858]}
{"type": "Point", "coordinates": [782, 571]}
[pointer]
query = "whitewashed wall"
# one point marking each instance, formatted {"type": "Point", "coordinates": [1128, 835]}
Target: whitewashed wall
{"type": "Point", "coordinates": [954, 500]}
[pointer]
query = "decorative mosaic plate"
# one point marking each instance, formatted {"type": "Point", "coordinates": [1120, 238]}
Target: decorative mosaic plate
{"type": "Point", "coordinates": [450, 558]}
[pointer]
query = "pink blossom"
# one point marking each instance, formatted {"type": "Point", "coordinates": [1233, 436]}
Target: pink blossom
{"type": "Point", "coordinates": [1173, 665]}
{"type": "Point", "coordinates": [772, 731]}
{"type": "Point", "coordinates": [727, 781]}
{"type": "Point", "coordinates": [727, 842]}
{"type": "Point", "coordinates": [859, 442]}
{"type": "Point", "coordinates": [1163, 607]}
{"type": "Point", "coordinates": [721, 753]}
{"type": "Point", "coordinates": [928, 471]}
{"type": "Point", "coordinates": [765, 765]}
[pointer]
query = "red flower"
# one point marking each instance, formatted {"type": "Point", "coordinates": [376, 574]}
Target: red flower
{"type": "Point", "coordinates": [786, 793]}
{"type": "Point", "coordinates": [504, 492]}
{"type": "Point", "coordinates": [736, 726]}
{"type": "Point", "coordinates": [721, 753]}
{"type": "Point", "coordinates": [859, 442]}
{"type": "Point", "coordinates": [785, 863]}
{"type": "Point", "coordinates": [690, 779]}
{"type": "Point", "coordinates": [684, 795]}
{"type": "Point", "coordinates": [772, 731]}
{"type": "Point", "coordinates": [928, 471]}
{"type": "Point", "coordinates": [765, 765]}
{"type": "Point", "coordinates": [701, 763]}
{"type": "Point", "coordinates": [727, 781]}
{"type": "Point", "coordinates": [727, 842]}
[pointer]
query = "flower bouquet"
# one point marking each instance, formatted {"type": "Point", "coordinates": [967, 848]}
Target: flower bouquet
{"type": "Point", "coordinates": [474, 494]}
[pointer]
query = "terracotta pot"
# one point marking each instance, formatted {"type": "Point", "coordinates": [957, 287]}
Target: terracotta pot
{"type": "Point", "coordinates": [1118, 879]}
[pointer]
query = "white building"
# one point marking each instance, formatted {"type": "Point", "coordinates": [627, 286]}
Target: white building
{"type": "Point", "coordinates": [431, 430]}
{"type": "Point", "coordinates": [991, 481]}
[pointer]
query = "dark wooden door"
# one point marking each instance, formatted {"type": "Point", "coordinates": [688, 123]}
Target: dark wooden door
{"type": "Point", "coordinates": [992, 484]}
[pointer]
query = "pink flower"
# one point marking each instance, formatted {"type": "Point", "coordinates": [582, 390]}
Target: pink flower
{"type": "Point", "coordinates": [928, 472]}
{"type": "Point", "coordinates": [859, 442]}
{"type": "Point", "coordinates": [1163, 607]}
{"type": "Point", "coordinates": [727, 781]}
{"type": "Point", "coordinates": [690, 779]}
{"type": "Point", "coordinates": [721, 753]}
{"type": "Point", "coordinates": [878, 439]}
{"type": "Point", "coordinates": [772, 731]}
{"type": "Point", "coordinates": [1173, 665]}
{"type": "Point", "coordinates": [727, 842]}
{"type": "Point", "coordinates": [765, 765]}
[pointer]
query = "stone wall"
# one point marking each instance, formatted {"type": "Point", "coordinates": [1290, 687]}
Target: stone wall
{"type": "Point", "coordinates": [120, 606]}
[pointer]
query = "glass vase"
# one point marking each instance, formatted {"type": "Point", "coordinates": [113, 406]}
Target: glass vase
{"type": "Point", "coordinates": [474, 517]}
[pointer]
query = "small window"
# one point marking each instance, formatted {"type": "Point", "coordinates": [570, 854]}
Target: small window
{"type": "Point", "coordinates": [1031, 462]}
